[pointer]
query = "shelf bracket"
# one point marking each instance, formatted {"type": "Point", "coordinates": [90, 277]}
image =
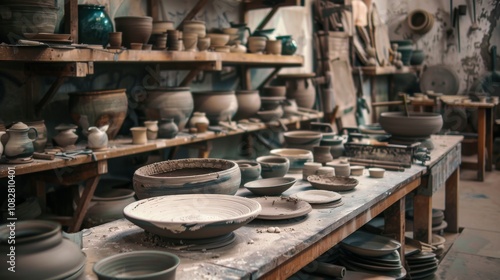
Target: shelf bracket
{"type": "Point", "coordinates": [270, 77]}
{"type": "Point", "coordinates": [193, 12]}
{"type": "Point", "coordinates": [190, 76]}
{"type": "Point", "coordinates": [245, 78]}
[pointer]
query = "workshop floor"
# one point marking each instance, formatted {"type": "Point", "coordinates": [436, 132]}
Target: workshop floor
{"type": "Point", "coordinates": [475, 254]}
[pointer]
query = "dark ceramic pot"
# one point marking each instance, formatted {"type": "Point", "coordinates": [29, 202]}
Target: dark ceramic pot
{"type": "Point", "coordinates": [417, 57]}
{"type": "Point", "coordinates": [94, 25]}
{"type": "Point", "coordinates": [134, 29]}
{"type": "Point", "coordinates": [167, 129]}
{"type": "Point", "coordinates": [288, 45]}
{"type": "Point", "coordinates": [40, 247]}
{"type": "Point", "coordinates": [416, 125]}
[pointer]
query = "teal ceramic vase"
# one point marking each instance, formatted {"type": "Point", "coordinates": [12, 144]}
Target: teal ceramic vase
{"type": "Point", "coordinates": [94, 25]}
{"type": "Point", "coordinates": [288, 45]}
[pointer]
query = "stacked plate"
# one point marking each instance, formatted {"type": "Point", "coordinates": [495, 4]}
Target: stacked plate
{"type": "Point", "coordinates": [371, 253]}
{"type": "Point", "coordinates": [438, 222]}
{"type": "Point", "coordinates": [421, 265]}
{"type": "Point", "coordinates": [320, 198]}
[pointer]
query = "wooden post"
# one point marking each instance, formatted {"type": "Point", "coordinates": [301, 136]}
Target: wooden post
{"type": "Point", "coordinates": [153, 9]}
{"type": "Point", "coordinates": [452, 201]}
{"type": "Point", "coordinates": [489, 138]}
{"type": "Point", "coordinates": [71, 19]}
{"type": "Point", "coordinates": [422, 218]}
{"type": "Point", "coordinates": [395, 224]}
{"type": "Point", "coordinates": [481, 141]}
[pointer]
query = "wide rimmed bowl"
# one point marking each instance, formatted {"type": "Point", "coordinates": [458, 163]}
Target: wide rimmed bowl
{"type": "Point", "coordinates": [187, 176]}
{"type": "Point", "coordinates": [135, 29]}
{"type": "Point", "coordinates": [332, 183]}
{"type": "Point", "coordinates": [217, 105]}
{"type": "Point", "coordinates": [297, 157]}
{"type": "Point", "coordinates": [270, 186]}
{"type": "Point", "coordinates": [302, 139]}
{"type": "Point", "coordinates": [192, 216]}
{"type": "Point", "coordinates": [144, 265]}
{"type": "Point", "coordinates": [416, 125]}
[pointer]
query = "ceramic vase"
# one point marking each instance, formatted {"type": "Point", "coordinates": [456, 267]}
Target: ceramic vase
{"type": "Point", "coordinates": [41, 140]}
{"type": "Point", "coordinates": [288, 45]}
{"type": "Point", "coordinates": [200, 121]}
{"type": "Point", "coordinates": [19, 145]}
{"type": "Point", "coordinates": [167, 129]}
{"type": "Point", "coordinates": [94, 25]}
{"type": "Point", "coordinates": [66, 135]}
{"type": "Point", "coordinates": [248, 103]}
{"type": "Point", "coordinates": [99, 108]}
{"type": "Point", "coordinates": [300, 88]}
{"type": "Point", "coordinates": [107, 206]}
{"type": "Point", "coordinates": [175, 102]}
{"type": "Point", "coordinates": [322, 154]}
{"type": "Point", "coordinates": [41, 247]}
{"type": "Point", "coordinates": [152, 129]}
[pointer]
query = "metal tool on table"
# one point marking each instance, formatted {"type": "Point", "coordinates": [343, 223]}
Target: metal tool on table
{"type": "Point", "coordinates": [72, 155]}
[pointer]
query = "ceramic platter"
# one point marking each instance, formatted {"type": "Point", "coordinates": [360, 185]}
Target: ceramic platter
{"type": "Point", "coordinates": [332, 183]}
{"type": "Point", "coordinates": [281, 208]}
{"type": "Point", "coordinates": [192, 216]}
{"type": "Point", "coordinates": [318, 196]}
{"type": "Point", "coordinates": [370, 245]}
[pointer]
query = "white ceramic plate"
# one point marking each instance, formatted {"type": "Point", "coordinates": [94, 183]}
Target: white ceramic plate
{"type": "Point", "coordinates": [370, 245]}
{"type": "Point", "coordinates": [192, 216]}
{"type": "Point", "coordinates": [318, 196]}
{"type": "Point", "coordinates": [281, 208]}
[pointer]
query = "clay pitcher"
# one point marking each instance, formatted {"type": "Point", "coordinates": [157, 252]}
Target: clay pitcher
{"type": "Point", "coordinates": [97, 138]}
{"type": "Point", "coordinates": [20, 145]}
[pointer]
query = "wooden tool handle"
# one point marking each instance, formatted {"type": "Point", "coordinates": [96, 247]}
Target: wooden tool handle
{"type": "Point", "coordinates": [43, 156]}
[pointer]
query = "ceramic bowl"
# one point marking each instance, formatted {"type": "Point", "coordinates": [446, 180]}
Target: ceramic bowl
{"type": "Point", "coordinates": [376, 172]}
{"type": "Point", "coordinates": [192, 216]}
{"type": "Point", "coordinates": [270, 186]}
{"type": "Point", "coordinates": [195, 26]}
{"type": "Point", "coordinates": [256, 44]}
{"type": "Point", "coordinates": [218, 40]}
{"type": "Point", "coordinates": [187, 176]}
{"type": "Point", "coordinates": [271, 102]}
{"type": "Point", "coordinates": [144, 265]}
{"type": "Point", "coordinates": [416, 125]}
{"type": "Point", "coordinates": [217, 105]}
{"type": "Point", "coordinates": [274, 91]}
{"type": "Point", "coordinates": [297, 158]}
{"type": "Point", "coordinates": [302, 139]}
{"type": "Point", "coordinates": [273, 166]}
{"type": "Point", "coordinates": [357, 170]}
{"type": "Point", "coordinates": [160, 27]}
{"type": "Point", "coordinates": [270, 115]}
{"type": "Point", "coordinates": [250, 171]}
{"type": "Point", "coordinates": [135, 29]}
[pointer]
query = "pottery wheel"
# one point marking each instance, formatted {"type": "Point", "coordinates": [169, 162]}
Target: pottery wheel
{"type": "Point", "coordinates": [440, 79]}
{"type": "Point", "coordinates": [193, 244]}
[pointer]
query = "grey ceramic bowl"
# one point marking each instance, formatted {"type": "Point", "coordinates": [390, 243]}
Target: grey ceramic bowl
{"type": "Point", "coordinates": [270, 186]}
{"type": "Point", "coordinates": [250, 170]}
{"type": "Point", "coordinates": [416, 125]}
{"type": "Point", "coordinates": [273, 166]}
{"type": "Point", "coordinates": [144, 265]}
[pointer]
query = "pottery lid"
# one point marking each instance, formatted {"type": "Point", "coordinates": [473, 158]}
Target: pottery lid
{"type": "Point", "coordinates": [18, 126]}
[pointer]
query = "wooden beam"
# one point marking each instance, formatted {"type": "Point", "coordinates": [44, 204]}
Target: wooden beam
{"type": "Point", "coordinates": [268, 17]}
{"type": "Point", "coordinates": [71, 19]}
{"type": "Point", "coordinates": [189, 77]}
{"type": "Point", "coordinates": [154, 9]}
{"type": "Point", "coordinates": [193, 12]}
{"type": "Point", "coordinates": [48, 96]}
{"type": "Point", "coordinates": [422, 218]}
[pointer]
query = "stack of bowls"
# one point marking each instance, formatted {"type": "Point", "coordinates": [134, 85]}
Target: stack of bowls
{"type": "Point", "coordinates": [19, 17]}
{"type": "Point", "coordinates": [135, 29]}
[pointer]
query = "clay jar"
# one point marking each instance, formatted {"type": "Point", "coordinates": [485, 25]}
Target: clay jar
{"type": "Point", "coordinates": [152, 129]}
{"type": "Point", "coordinates": [167, 129]}
{"type": "Point", "coordinates": [200, 121]}
{"type": "Point", "coordinates": [107, 206]}
{"type": "Point", "coordinates": [217, 105]}
{"type": "Point", "coordinates": [66, 135]}
{"type": "Point", "coordinates": [41, 247]}
{"type": "Point", "coordinates": [273, 47]}
{"type": "Point", "coordinates": [273, 166]}
{"type": "Point", "coordinates": [300, 88]}
{"type": "Point", "coordinates": [322, 154]}
{"type": "Point", "coordinates": [248, 103]}
{"type": "Point", "coordinates": [139, 135]}
{"type": "Point", "coordinates": [135, 29]}
{"type": "Point", "coordinates": [190, 41]}
{"type": "Point", "coordinates": [175, 102]}
{"type": "Point", "coordinates": [99, 108]}
{"type": "Point", "coordinates": [250, 171]}
{"type": "Point", "coordinates": [256, 44]}
{"type": "Point", "coordinates": [19, 144]}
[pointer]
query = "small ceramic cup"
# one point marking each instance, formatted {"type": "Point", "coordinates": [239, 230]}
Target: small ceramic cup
{"type": "Point", "coordinates": [273, 166]}
{"type": "Point", "coordinates": [341, 169]}
{"type": "Point", "coordinates": [273, 47]}
{"type": "Point", "coordinates": [152, 129]}
{"type": "Point", "coordinates": [115, 39]}
{"type": "Point", "coordinates": [139, 135]}
{"type": "Point", "coordinates": [203, 44]}
{"type": "Point", "coordinates": [357, 170]}
{"type": "Point", "coordinates": [136, 46]}
{"type": "Point", "coordinates": [326, 171]}
{"type": "Point", "coordinates": [376, 172]}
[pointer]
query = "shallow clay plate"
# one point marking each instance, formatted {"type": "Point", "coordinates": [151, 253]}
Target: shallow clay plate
{"type": "Point", "coordinates": [370, 245]}
{"type": "Point", "coordinates": [332, 183]}
{"type": "Point", "coordinates": [192, 216]}
{"type": "Point", "coordinates": [281, 208]}
{"type": "Point", "coordinates": [270, 186]}
{"type": "Point", "coordinates": [318, 196]}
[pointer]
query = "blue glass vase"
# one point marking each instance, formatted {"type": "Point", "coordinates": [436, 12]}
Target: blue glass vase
{"type": "Point", "coordinates": [288, 44]}
{"type": "Point", "coordinates": [94, 25]}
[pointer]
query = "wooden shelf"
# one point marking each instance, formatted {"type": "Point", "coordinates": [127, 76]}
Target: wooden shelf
{"type": "Point", "coordinates": [54, 55]}
{"type": "Point", "coordinates": [386, 70]}
{"type": "Point", "coordinates": [124, 147]}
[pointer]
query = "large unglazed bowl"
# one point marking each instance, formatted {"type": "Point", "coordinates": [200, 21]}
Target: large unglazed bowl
{"type": "Point", "coordinates": [297, 157]}
{"type": "Point", "coordinates": [192, 216]}
{"type": "Point", "coordinates": [416, 125]}
{"type": "Point", "coordinates": [187, 176]}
